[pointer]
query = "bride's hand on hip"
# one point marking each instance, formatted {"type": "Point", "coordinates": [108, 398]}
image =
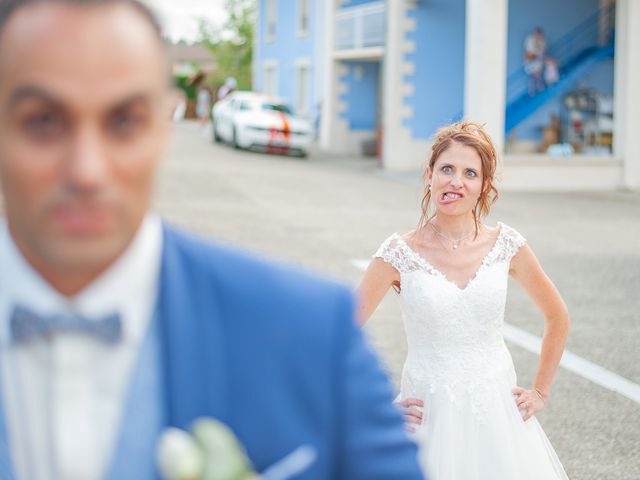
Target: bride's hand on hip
{"type": "Point", "coordinates": [529, 402]}
{"type": "Point", "coordinates": [411, 408]}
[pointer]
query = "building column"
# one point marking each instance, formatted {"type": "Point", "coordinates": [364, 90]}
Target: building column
{"type": "Point", "coordinates": [328, 108]}
{"type": "Point", "coordinates": [627, 91]}
{"type": "Point", "coordinates": [486, 66]}
{"type": "Point", "coordinates": [392, 82]}
{"type": "Point", "coordinates": [400, 152]}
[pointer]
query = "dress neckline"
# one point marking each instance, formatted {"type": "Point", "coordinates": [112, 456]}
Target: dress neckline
{"type": "Point", "coordinates": [438, 273]}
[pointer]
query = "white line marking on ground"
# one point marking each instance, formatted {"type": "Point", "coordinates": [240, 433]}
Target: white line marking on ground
{"type": "Point", "coordinates": [570, 361]}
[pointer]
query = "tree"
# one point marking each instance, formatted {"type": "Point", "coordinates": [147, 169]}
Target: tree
{"type": "Point", "coordinates": [232, 44]}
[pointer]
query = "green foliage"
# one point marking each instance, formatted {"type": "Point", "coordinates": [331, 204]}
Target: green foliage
{"type": "Point", "coordinates": [232, 44]}
{"type": "Point", "coordinates": [182, 82]}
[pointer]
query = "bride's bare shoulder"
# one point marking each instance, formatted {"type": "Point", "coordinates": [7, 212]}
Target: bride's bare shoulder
{"type": "Point", "coordinates": [410, 238]}
{"type": "Point", "coordinates": [492, 232]}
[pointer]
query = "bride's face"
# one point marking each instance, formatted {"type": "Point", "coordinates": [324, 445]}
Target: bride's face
{"type": "Point", "coordinates": [456, 180]}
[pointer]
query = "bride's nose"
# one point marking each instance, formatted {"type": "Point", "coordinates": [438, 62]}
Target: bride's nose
{"type": "Point", "coordinates": [456, 181]}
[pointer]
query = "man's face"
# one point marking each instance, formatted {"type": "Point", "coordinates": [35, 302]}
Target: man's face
{"type": "Point", "coordinates": [83, 124]}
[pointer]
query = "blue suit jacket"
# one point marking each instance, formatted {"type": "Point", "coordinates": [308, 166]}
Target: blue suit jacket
{"type": "Point", "coordinates": [275, 354]}
{"type": "Point", "coordinates": [272, 353]}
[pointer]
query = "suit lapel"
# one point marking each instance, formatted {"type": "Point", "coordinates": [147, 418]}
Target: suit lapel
{"type": "Point", "coordinates": [191, 334]}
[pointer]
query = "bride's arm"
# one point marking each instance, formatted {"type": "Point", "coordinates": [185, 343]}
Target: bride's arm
{"type": "Point", "coordinates": [527, 271]}
{"type": "Point", "coordinates": [374, 285]}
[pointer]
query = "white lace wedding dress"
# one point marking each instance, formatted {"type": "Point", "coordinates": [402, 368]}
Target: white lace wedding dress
{"type": "Point", "coordinates": [459, 365]}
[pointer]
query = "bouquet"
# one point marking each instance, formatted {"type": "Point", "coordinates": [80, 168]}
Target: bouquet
{"type": "Point", "coordinates": [212, 452]}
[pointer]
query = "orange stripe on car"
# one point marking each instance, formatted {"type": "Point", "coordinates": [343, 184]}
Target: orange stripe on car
{"type": "Point", "coordinates": [285, 126]}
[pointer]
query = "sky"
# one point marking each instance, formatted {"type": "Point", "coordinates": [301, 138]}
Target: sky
{"type": "Point", "coordinates": [179, 17]}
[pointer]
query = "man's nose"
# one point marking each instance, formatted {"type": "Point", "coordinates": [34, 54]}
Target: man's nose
{"type": "Point", "coordinates": [88, 163]}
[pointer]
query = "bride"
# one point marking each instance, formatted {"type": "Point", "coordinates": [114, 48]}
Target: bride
{"type": "Point", "coordinates": [458, 389]}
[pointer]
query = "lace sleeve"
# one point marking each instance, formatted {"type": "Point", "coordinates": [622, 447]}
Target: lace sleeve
{"type": "Point", "coordinates": [395, 252]}
{"type": "Point", "coordinates": [512, 240]}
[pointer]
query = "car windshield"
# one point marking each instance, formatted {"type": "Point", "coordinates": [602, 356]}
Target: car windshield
{"type": "Point", "coordinates": [278, 107]}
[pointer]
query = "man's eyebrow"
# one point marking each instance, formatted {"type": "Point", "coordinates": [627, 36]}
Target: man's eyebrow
{"type": "Point", "coordinates": [136, 98]}
{"type": "Point", "coordinates": [31, 91]}
{"type": "Point", "coordinates": [27, 92]}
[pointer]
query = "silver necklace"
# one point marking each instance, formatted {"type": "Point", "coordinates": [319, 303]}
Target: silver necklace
{"type": "Point", "coordinates": [455, 242]}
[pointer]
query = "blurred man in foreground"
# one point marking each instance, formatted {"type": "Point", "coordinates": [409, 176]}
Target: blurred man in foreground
{"type": "Point", "coordinates": [116, 326]}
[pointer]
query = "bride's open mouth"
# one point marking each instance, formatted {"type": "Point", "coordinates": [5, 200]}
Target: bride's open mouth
{"type": "Point", "coordinates": [450, 197]}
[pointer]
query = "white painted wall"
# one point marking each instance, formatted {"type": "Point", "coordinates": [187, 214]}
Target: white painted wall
{"type": "Point", "coordinates": [544, 173]}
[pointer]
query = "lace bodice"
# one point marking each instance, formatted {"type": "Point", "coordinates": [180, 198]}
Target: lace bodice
{"type": "Point", "coordinates": [454, 334]}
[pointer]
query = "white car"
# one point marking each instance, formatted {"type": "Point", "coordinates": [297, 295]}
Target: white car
{"type": "Point", "coordinates": [256, 121]}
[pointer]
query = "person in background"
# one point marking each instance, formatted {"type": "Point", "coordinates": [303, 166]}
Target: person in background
{"type": "Point", "coordinates": [229, 86]}
{"type": "Point", "coordinates": [535, 47]}
{"type": "Point", "coordinates": [551, 72]}
{"type": "Point", "coordinates": [203, 105]}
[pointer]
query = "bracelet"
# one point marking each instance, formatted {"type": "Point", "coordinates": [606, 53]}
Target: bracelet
{"type": "Point", "coordinates": [539, 393]}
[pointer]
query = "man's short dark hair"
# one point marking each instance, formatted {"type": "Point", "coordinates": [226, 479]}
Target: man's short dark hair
{"type": "Point", "coordinates": [8, 7]}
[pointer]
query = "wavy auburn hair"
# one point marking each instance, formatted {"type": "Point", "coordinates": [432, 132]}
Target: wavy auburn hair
{"type": "Point", "coordinates": [472, 134]}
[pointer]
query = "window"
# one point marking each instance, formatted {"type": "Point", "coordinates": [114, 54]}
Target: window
{"type": "Point", "coordinates": [303, 18]}
{"type": "Point", "coordinates": [272, 14]}
{"type": "Point", "coordinates": [270, 84]}
{"type": "Point", "coordinates": [276, 107]}
{"type": "Point", "coordinates": [302, 88]}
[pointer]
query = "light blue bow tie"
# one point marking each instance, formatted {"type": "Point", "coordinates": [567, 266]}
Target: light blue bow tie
{"type": "Point", "coordinates": [27, 325]}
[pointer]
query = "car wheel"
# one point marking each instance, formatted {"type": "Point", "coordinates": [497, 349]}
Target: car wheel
{"type": "Point", "coordinates": [234, 139]}
{"type": "Point", "coordinates": [216, 137]}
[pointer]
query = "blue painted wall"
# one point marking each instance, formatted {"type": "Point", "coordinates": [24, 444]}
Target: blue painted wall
{"type": "Point", "coordinates": [439, 58]}
{"type": "Point", "coordinates": [362, 95]}
{"type": "Point", "coordinates": [287, 48]}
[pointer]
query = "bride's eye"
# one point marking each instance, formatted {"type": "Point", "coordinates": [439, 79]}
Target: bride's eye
{"type": "Point", "coordinates": [446, 169]}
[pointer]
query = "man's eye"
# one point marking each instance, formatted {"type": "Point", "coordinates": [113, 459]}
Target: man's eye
{"type": "Point", "coordinates": [124, 124]}
{"type": "Point", "coordinates": [45, 124]}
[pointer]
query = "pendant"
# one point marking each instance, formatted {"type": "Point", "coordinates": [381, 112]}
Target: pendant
{"type": "Point", "coordinates": [455, 246]}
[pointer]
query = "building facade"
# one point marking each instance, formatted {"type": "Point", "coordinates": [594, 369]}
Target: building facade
{"type": "Point", "coordinates": [392, 72]}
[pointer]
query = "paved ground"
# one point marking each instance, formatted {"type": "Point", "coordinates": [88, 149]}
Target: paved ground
{"type": "Point", "coordinates": [321, 213]}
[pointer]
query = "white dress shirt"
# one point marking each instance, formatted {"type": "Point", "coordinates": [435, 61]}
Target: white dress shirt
{"type": "Point", "coordinates": [64, 397]}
